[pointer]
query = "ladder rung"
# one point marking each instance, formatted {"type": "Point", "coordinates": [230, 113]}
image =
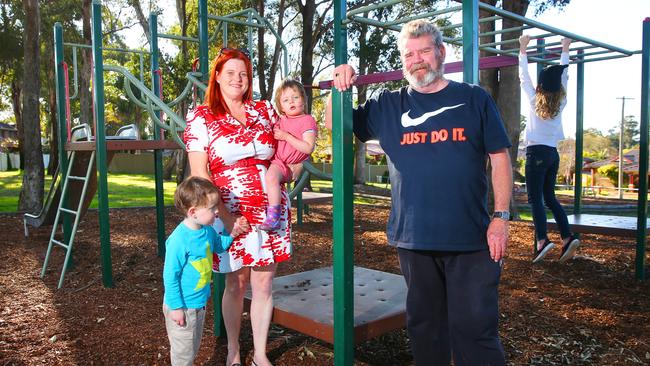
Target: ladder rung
{"type": "Point", "coordinates": [76, 178]}
{"type": "Point", "coordinates": [68, 211]}
{"type": "Point", "coordinates": [59, 243]}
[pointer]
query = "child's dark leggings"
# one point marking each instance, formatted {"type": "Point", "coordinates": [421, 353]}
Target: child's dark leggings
{"type": "Point", "coordinates": [542, 163]}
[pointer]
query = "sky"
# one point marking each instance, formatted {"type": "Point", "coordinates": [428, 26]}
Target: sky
{"type": "Point", "coordinates": [617, 23]}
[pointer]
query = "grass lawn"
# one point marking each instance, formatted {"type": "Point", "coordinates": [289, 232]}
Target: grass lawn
{"type": "Point", "coordinates": [124, 190]}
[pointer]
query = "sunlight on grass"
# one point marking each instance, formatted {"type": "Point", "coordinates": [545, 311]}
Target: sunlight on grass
{"type": "Point", "coordinates": [124, 190]}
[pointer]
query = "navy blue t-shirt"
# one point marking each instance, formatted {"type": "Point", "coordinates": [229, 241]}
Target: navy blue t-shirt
{"type": "Point", "coordinates": [437, 146]}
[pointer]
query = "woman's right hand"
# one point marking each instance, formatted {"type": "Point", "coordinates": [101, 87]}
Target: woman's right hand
{"type": "Point", "coordinates": [240, 226]}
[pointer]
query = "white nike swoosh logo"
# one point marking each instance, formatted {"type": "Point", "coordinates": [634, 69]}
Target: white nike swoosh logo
{"type": "Point", "coordinates": [410, 122]}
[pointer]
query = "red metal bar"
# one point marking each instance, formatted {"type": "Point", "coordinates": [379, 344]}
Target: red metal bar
{"type": "Point", "coordinates": [450, 68]}
{"type": "Point", "coordinates": [162, 114]}
{"type": "Point", "coordinates": [195, 65]}
{"type": "Point", "coordinates": [67, 99]}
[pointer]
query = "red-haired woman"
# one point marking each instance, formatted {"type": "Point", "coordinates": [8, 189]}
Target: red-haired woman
{"type": "Point", "coordinates": [230, 141]}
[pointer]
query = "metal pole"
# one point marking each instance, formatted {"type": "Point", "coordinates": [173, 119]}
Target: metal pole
{"type": "Point", "coordinates": [642, 210]}
{"type": "Point", "coordinates": [470, 41]}
{"type": "Point", "coordinates": [620, 148]}
{"type": "Point", "coordinates": [203, 41]}
{"type": "Point", "coordinates": [580, 101]}
{"type": "Point", "coordinates": [100, 145]}
{"type": "Point", "coordinates": [157, 154]}
{"type": "Point", "coordinates": [61, 120]}
{"type": "Point", "coordinates": [343, 257]}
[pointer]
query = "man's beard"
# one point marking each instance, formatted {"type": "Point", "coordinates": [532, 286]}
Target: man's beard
{"type": "Point", "coordinates": [430, 75]}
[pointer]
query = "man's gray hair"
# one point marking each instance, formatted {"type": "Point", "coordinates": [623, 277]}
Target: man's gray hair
{"type": "Point", "coordinates": [417, 28]}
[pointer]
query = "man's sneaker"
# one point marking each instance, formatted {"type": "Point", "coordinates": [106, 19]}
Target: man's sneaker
{"type": "Point", "coordinates": [569, 250]}
{"type": "Point", "coordinates": [546, 247]}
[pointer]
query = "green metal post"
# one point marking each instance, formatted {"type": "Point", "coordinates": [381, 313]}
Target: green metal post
{"type": "Point", "coordinates": [100, 145]}
{"type": "Point", "coordinates": [219, 280]}
{"type": "Point", "coordinates": [299, 207]}
{"type": "Point", "coordinates": [580, 102]}
{"type": "Point", "coordinates": [343, 216]}
{"type": "Point", "coordinates": [157, 154]}
{"type": "Point", "coordinates": [62, 121]}
{"type": "Point", "coordinates": [642, 211]}
{"type": "Point", "coordinates": [470, 41]}
{"type": "Point", "coordinates": [203, 41]}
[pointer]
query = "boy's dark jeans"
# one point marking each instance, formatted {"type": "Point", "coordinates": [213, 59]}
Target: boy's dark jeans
{"type": "Point", "coordinates": [542, 163]}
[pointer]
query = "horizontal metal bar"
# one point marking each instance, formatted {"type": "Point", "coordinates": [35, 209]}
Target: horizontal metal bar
{"type": "Point", "coordinates": [59, 243]}
{"type": "Point", "coordinates": [450, 68]}
{"type": "Point", "coordinates": [124, 50]}
{"type": "Point", "coordinates": [423, 15]}
{"type": "Point", "coordinates": [493, 33]}
{"type": "Point", "coordinates": [482, 20]}
{"type": "Point", "coordinates": [74, 177]}
{"type": "Point", "coordinates": [376, 23]}
{"type": "Point", "coordinates": [235, 21]}
{"type": "Point", "coordinates": [524, 20]}
{"type": "Point", "coordinates": [178, 38]}
{"type": "Point", "coordinates": [370, 8]}
{"type": "Point", "coordinates": [72, 212]}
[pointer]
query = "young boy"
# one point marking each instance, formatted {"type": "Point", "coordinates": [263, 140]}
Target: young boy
{"type": "Point", "coordinates": [187, 272]}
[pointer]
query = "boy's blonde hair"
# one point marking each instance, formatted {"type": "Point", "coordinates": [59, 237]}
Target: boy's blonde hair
{"type": "Point", "coordinates": [547, 104]}
{"type": "Point", "coordinates": [195, 192]}
{"type": "Point", "coordinates": [296, 86]}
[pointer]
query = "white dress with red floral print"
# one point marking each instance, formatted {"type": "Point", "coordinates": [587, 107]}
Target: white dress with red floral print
{"type": "Point", "coordinates": [227, 142]}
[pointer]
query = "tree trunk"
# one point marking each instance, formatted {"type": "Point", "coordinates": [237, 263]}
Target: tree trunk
{"type": "Point", "coordinates": [503, 83]}
{"type": "Point", "coordinates": [308, 12]}
{"type": "Point", "coordinates": [141, 18]}
{"type": "Point", "coordinates": [16, 98]}
{"type": "Point", "coordinates": [261, 56]}
{"type": "Point", "coordinates": [31, 194]}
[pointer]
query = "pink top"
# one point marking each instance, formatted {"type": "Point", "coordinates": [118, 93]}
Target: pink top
{"type": "Point", "coordinates": [296, 126]}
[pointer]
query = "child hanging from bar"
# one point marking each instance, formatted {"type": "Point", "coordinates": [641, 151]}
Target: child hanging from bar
{"type": "Point", "coordinates": [296, 134]}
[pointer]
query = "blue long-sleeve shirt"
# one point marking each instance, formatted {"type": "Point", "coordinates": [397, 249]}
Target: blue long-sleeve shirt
{"type": "Point", "coordinates": [187, 272]}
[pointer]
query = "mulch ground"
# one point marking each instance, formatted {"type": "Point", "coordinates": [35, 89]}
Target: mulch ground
{"type": "Point", "coordinates": [589, 311]}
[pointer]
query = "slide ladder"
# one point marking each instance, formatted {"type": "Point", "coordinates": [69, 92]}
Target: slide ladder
{"type": "Point", "coordinates": [76, 213]}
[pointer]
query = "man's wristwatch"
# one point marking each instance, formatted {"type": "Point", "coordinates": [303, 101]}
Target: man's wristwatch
{"type": "Point", "coordinates": [504, 215]}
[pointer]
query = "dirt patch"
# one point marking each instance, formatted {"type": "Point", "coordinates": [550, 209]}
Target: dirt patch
{"type": "Point", "coordinates": [589, 311]}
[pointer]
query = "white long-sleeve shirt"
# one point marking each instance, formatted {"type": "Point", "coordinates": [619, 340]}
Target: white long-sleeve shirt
{"type": "Point", "coordinates": [542, 131]}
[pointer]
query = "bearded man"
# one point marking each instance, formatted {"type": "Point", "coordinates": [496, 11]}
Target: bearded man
{"type": "Point", "coordinates": [437, 135]}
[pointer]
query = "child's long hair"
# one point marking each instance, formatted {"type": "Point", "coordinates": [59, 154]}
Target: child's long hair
{"type": "Point", "coordinates": [296, 86]}
{"type": "Point", "coordinates": [547, 104]}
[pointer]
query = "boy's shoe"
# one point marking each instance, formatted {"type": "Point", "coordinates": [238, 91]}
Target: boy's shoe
{"type": "Point", "coordinates": [546, 247]}
{"type": "Point", "coordinates": [569, 250]}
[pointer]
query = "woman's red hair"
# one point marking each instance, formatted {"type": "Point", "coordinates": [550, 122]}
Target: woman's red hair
{"type": "Point", "coordinates": [213, 98]}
